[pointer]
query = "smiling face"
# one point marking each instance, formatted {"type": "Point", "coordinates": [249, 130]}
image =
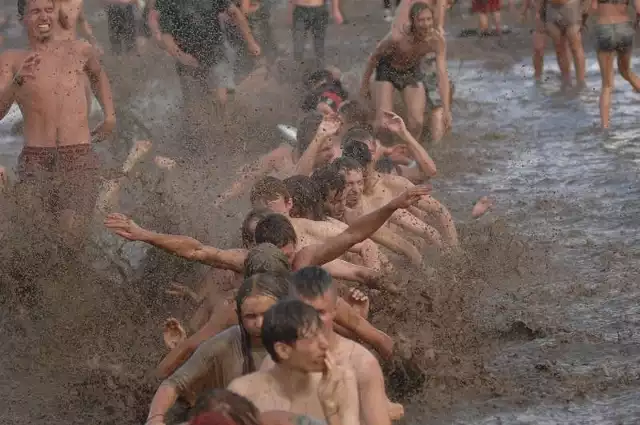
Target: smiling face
{"type": "Point", "coordinates": [335, 204]}
{"type": "Point", "coordinates": [39, 18]}
{"type": "Point", "coordinates": [354, 187]}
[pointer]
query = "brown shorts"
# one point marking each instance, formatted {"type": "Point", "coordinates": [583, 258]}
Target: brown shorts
{"type": "Point", "coordinates": [564, 16]}
{"type": "Point", "coordinates": [61, 178]}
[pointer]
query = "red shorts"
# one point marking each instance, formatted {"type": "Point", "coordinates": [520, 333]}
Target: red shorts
{"type": "Point", "coordinates": [485, 6]}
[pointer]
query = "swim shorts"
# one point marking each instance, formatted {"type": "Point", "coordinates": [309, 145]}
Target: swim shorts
{"type": "Point", "coordinates": [400, 78]}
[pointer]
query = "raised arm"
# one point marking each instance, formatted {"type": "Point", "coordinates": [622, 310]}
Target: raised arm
{"type": "Point", "coordinates": [359, 230]}
{"type": "Point", "coordinates": [327, 128]}
{"type": "Point", "coordinates": [181, 246]}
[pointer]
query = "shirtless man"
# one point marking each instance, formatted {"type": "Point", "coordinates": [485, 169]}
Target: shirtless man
{"type": "Point", "coordinates": [397, 65]}
{"type": "Point", "coordinates": [311, 15]}
{"type": "Point", "coordinates": [57, 165]}
{"type": "Point", "coordinates": [71, 17]}
{"type": "Point", "coordinates": [315, 287]}
{"type": "Point", "coordinates": [303, 371]}
{"type": "Point", "coordinates": [564, 23]}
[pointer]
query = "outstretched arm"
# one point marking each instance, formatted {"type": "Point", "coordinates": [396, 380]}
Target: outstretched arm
{"type": "Point", "coordinates": [181, 246]}
{"type": "Point", "coordinates": [359, 230]}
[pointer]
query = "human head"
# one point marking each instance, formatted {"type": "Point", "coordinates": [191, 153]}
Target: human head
{"type": "Point", "coordinates": [307, 130]}
{"type": "Point", "coordinates": [353, 174]}
{"type": "Point", "coordinates": [249, 225]}
{"type": "Point", "coordinates": [255, 296]}
{"type": "Point", "coordinates": [293, 335]}
{"type": "Point", "coordinates": [305, 198]}
{"type": "Point", "coordinates": [332, 190]}
{"type": "Point", "coordinates": [266, 258]}
{"type": "Point", "coordinates": [276, 229]}
{"type": "Point", "coordinates": [353, 113]}
{"type": "Point", "coordinates": [223, 407]}
{"type": "Point", "coordinates": [314, 286]}
{"type": "Point", "coordinates": [270, 192]}
{"type": "Point", "coordinates": [364, 134]}
{"type": "Point", "coordinates": [421, 18]}
{"type": "Point", "coordinates": [39, 17]}
{"type": "Point", "coordinates": [359, 152]}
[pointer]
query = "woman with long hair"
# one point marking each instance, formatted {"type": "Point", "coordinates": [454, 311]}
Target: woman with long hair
{"type": "Point", "coordinates": [614, 35]}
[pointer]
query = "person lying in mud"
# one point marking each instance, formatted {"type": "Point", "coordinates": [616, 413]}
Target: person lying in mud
{"type": "Point", "coordinates": [325, 92]}
{"type": "Point", "coordinates": [57, 168]}
{"type": "Point", "coordinates": [294, 336]}
{"type": "Point", "coordinates": [398, 66]}
{"type": "Point", "coordinates": [282, 161]}
{"type": "Point", "coordinates": [380, 186]}
{"type": "Point", "coordinates": [315, 287]}
{"type": "Point", "coordinates": [226, 356]}
{"type": "Point", "coordinates": [298, 199]}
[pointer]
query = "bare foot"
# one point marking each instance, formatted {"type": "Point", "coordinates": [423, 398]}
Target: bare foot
{"type": "Point", "coordinates": [183, 291]}
{"type": "Point", "coordinates": [173, 333]}
{"type": "Point", "coordinates": [164, 163]}
{"type": "Point", "coordinates": [139, 149]}
{"type": "Point", "coordinates": [396, 411]}
{"type": "Point", "coordinates": [483, 205]}
{"type": "Point", "coordinates": [359, 301]}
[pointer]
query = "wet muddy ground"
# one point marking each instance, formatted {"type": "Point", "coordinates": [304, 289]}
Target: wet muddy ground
{"type": "Point", "coordinates": [537, 323]}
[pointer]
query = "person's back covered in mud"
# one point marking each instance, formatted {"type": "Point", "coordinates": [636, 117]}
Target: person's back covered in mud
{"type": "Point", "coordinates": [324, 92]}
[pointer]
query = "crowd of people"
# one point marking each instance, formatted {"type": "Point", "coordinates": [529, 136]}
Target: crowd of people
{"type": "Point", "coordinates": [280, 322]}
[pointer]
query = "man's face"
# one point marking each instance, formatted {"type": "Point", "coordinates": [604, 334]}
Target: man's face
{"type": "Point", "coordinates": [39, 18]}
{"type": "Point", "coordinates": [354, 187]}
{"type": "Point", "coordinates": [309, 351]}
{"type": "Point", "coordinates": [279, 205]}
{"type": "Point", "coordinates": [423, 23]}
{"type": "Point", "coordinates": [325, 305]}
{"type": "Point", "coordinates": [253, 309]}
{"type": "Point", "coordinates": [335, 204]}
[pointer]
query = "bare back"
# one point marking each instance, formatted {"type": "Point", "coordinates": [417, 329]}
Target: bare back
{"type": "Point", "coordinates": [53, 102]}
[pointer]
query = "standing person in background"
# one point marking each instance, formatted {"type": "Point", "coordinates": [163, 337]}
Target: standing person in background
{"type": "Point", "coordinates": [564, 24]}
{"type": "Point", "coordinates": [484, 8]}
{"type": "Point", "coordinates": [72, 17]}
{"type": "Point", "coordinates": [311, 15]}
{"type": "Point", "coordinates": [615, 33]}
{"type": "Point", "coordinates": [121, 24]}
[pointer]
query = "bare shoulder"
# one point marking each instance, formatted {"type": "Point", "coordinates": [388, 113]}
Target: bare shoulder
{"type": "Point", "coordinates": [396, 183]}
{"type": "Point", "coordinates": [248, 384]}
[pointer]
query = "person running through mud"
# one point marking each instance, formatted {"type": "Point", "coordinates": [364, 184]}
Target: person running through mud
{"type": "Point", "coordinates": [57, 167]}
{"type": "Point", "coordinates": [303, 371]}
{"type": "Point", "coordinates": [614, 39]}
{"type": "Point", "coordinates": [311, 15]}
{"type": "Point", "coordinates": [397, 65]}
{"type": "Point", "coordinates": [191, 33]}
{"type": "Point", "coordinates": [227, 355]}
{"type": "Point", "coordinates": [564, 22]}
{"type": "Point", "coordinates": [315, 287]}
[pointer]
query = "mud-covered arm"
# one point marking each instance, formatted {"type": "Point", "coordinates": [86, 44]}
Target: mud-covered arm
{"type": "Point", "coordinates": [340, 269]}
{"type": "Point", "coordinates": [305, 164]}
{"type": "Point", "coordinates": [100, 85]}
{"type": "Point", "coordinates": [395, 243]}
{"type": "Point", "coordinates": [426, 166]}
{"type": "Point", "coordinates": [240, 19]}
{"type": "Point", "coordinates": [8, 85]}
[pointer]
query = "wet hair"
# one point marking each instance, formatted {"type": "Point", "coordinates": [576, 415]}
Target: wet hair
{"type": "Point", "coordinates": [266, 258]}
{"type": "Point", "coordinates": [221, 406]}
{"type": "Point", "coordinates": [385, 165]}
{"type": "Point", "coordinates": [360, 133]}
{"type": "Point", "coordinates": [310, 283]}
{"type": "Point", "coordinates": [414, 11]}
{"type": "Point", "coordinates": [249, 224]}
{"type": "Point", "coordinates": [318, 77]}
{"type": "Point", "coordinates": [353, 113]}
{"type": "Point", "coordinates": [327, 179]}
{"type": "Point", "coordinates": [307, 130]}
{"type": "Point", "coordinates": [286, 322]}
{"type": "Point", "coordinates": [22, 8]}
{"type": "Point", "coordinates": [271, 285]}
{"type": "Point", "coordinates": [275, 229]}
{"type": "Point", "coordinates": [346, 164]}
{"type": "Point", "coordinates": [357, 151]}
{"type": "Point", "coordinates": [268, 189]}
{"type": "Point", "coordinates": [305, 198]}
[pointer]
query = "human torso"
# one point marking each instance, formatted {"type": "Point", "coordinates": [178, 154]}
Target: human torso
{"type": "Point", "coordinates": [53, 102]}
{"type": "Point", "coordinates": [309, 3]}
{"type": "Point", "coordinates": [408, 53]}
{"type": "Point", "coordinates": [613, 12]}
{"type": "Point", "coordinates": [69, 12]}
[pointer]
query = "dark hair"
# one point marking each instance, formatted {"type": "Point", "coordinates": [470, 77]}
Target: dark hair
{"type": "Point", "coordinates": [317, 77]}
{"type": "Point", "coordinates": [266, 284]}
{"type": "Point", "coordinates": [22, 8]}
{"type": "Point", "coordinates": [225, 404]}
{"type": "Point", "coordinates": [275, 229]}
{"type": "Point", "coordinates": [357, 151]}
{"type": "Point", "coordinates": [346, 164]}
{"type": "Point", "coordinates": [286, 322]}
{"type": "Point", "coordinates": [360, 133]}
{"type": "Point", "coordinates": [310, 282]}
{"type": "Point", "coordinates": [249, 223]}
{"type": "Point", "coordinates": [385, 165]}
{"type": "Point", "coordinates": [327, 179]}
{"type": "Point", "coordinates": [414, 11]}
{"type": "Point", "coordinates": [268, 189]}
{"type": "Point", "coordinates": [305, 198]}
{"type": "Point", "coordinates": [353, 112]}
{"type": "Point", "coordinates": [307, 130]}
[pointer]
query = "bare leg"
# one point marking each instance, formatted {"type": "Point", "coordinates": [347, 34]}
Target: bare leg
{"type": "Point", "coordinates": [624, 67]}
{"type": "Point", "coordinates": [416, 100]}
{"type": "Point", "coordinates": [605, 61]}
{"type": "Point", "coordinates": [575, 44]}
{"type": "Point", "coordinates": [436, 125]}
{"type": "Point", "coordinates": [349, 319]}
{"type": "Point", "coordinates": [538, 54]}
{"type": "Point", "coordinates": [483, 23]}
{"type": "Point", "coordinates": [173, 333]}
{"type": "Point", "coordinates": [383, 97]}
{"type": "Point", "coordinates": [559, 42]}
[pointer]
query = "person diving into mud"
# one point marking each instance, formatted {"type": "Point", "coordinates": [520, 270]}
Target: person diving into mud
{"type": "Point", "coordinates": [397, 66]}
{"type": "Point", "coordinates": [57, 168]}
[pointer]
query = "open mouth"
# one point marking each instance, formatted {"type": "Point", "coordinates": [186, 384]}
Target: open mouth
{"type": "Point", "coordinates": [44, 27]}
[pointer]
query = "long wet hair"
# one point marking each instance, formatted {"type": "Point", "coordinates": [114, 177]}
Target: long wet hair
{"type": "Point", "coordinates": [223, 407]}
{"type": "Point", "coordinates": [274, 285]}
{"type": "Point", "coordinates": [249, 225]}
{"type": "Point", "coordinates": [414, 11]}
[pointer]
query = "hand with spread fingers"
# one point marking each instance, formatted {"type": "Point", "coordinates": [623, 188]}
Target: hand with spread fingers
{"type": "Point", "coordinates": [410, 197]}
{"type": "Point", "coordinates": [123, 226]}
